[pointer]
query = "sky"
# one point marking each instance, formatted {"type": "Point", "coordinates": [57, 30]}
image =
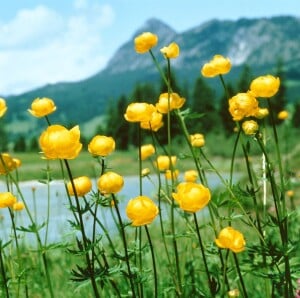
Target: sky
{"type": "Point", "coordinates": [54, 41]}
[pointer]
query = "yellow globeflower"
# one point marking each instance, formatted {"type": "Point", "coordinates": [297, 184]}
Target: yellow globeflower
{"type": "Point", "coordinates": [154, 124]}
{"type": "Point", "coordinates": [190, 176]}
{"type": "Point", "coordinates": [83, 185]}
{"type": "Point", "coordinates": [3, 107]}
{"type": "Point", "coordinates": [7, 163]}
{"type": "Point", "coordinates": [146, 151]}
{"type": "Point", "coordinates": [262, 113]}
{"type": "Point", "coordinates": [283, 115]}
{"type": "Point", "coordinates": [57, 142]}
{"type": "Point", "coordinates": [101, 145]}
{"type": "Point", "coordinates": [139, 111]}
{"type": "Point", "coordinates": [217, 66]}
{"type": "Point", "coordinates": [18, 206]}
{"type": "Point", "coordinates": [192, 197]}
{"type": "Point", "coordinates": [7, 199]}
{"type": "Point", "coordinates": [197, 140]}
{"type": "Point", "coordinates": [110, 182]}
{"type": "Point", "coordinates": [144, 42]}
{"type": "Point", "coordinates": [145, 172]}
{"type": "Point", "coordinates": [171, 174]}
{"type": "Point", "coordinates": [41, 107]}
{"type": "Point", "coordinates": [141, 210]}
{"type": "Point", "coordinates": [231, 239]}
{"type": "Point", "coordinates": [250, 127]}
{"type": "Point", "coordinates": [171, 51]}
{"type": "Point", "coordinates": [243, 105]}
{"type": "Point", "coordinates": [172, 101]}
{"type": "Point", "coordinates": [163, 162]}
{"type": "Point", "coordinates": [233, 293]}
{"type": "Point", "coordinates": [17, 162]}
{"type": "Point", "coordinates": [265, 86]}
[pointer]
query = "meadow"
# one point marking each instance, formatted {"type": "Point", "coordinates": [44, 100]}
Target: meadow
{"type": "Point", "coordinates": [190, 237]}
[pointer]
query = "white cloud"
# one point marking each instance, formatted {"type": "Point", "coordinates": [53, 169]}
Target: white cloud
{"type": "Point", "coordinates": [41, 46]}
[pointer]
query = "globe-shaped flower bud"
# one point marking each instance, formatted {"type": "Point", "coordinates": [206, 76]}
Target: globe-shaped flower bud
{"type": "Point", "coordinates": [144, 42]}
{"type": "Point", "coordinates": [231, 239]}
{"type": "Point", "coordinates": [101, 145]}
{"type": "Point", "coordinates": [41, 107]}
{"type": "Point", "coordinates": [110, 183]}
{"type": "Point", "coordinates": [82, 184]}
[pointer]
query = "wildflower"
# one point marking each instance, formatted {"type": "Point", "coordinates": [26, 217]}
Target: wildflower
{"type": "Point", "coordinates": [146, 151]}
{"type": "Point", "coordinates": [42, 107]}
{"type": "Point", "coordinates": [155, 122]}
{"type": "Point", "coordinates": [110, 182]}
{"type": "Point", "coordinates": [171, 51]}
{"type": "Point", "coordinates": [7, 199]}
{"type": "Point", "coordinates": [17, 162]}
{"type": "Point", "coordinates": [144, 42]}
{"type": "Point", "coordinates": [168, 102]}
{"type": "Point", "coordinates": [290, 193]}
{"type": "Point", "coordinates": [171, 174]}
{"type": "Point", "coordinates": [141, 210]}
{"type": "Point", "coordinates": [261, 113]}
{"type": "Point", "coordinates": [82, 184]}
{"type": "Point", "coordinates": [7, 163]}
{"type": "Point", "coordinates": [265, 86]}
{"type": "Point", "coordinates": [250, 127]}
{"type": "Point", "coordinates": [101, 145]}
{"type": "Point", "coordinates": [231, 239]}
{"type": "Point", "coordinates": [243, 105]}
{"type": "Point", "coordinates": [233, 293]}
{"type": "Point", "coordinates": [57, 142]}
{"type": "Point", "coordinates": [197, 140]}
{"type": "Point", "coordinates": [145, 172]}
{"type": "Point", "coordinates": [163, 162]}
{"type": "Point", "coordinates": [217, 66]}
{"type": "Point", "coordinates": [283, 115]}
{"type": "Point", "coordinates": [3, 107]}
{"type": "Point", "coordinates": [190, 176]}
{"type": "Point", "coordinates": [192, 197]}
{"type": "Point", "coordinates": [18, 206]}
{"type": "Point", "coordinates": [139, 111]}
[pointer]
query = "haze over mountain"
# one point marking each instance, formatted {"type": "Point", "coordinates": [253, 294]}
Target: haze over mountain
{"type": "Point", "coordinates": [258, 42]}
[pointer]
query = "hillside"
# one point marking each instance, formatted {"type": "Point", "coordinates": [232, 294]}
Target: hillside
{"type": "Point", "coordinates": [257, 42]}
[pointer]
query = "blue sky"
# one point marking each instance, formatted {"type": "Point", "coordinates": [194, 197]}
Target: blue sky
{"type": "Point", "coordinates": [68, 40]}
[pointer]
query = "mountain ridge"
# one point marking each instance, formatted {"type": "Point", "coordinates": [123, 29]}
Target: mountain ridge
{"type": "Point", "coordinates": [260, 42]}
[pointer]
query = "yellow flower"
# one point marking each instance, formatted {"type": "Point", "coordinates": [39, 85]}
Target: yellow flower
{"type": "Point", "coordinates": [192, 197]}
{"type": "Point", "coordinates": [144, 42]}
{"type": "Point", "coordinates": [145, 172]}
{"type": "Point", "coordinates": [250, 127]}
{"type": "Point", "coordinates": [83, 185]}
{"type": "Point", "coordinates": [290, 193]}
{"type": "Point", "coordinates": [139, 111]}
{"type": "Point", "coordinates": [110, 182]}
{"type": "Point", "coordinates": [233, 293]}
{"type": "Point", "coordinates": [197, 140]}
{"type": "Point", "coordinates": [18, 206]}
{"type": "Point", "coordinates": [243, 105]}
{"type": "Point", "coordinates": [57, 142]}
{"type": "Point", "coordinates": [217, 66]}
{"type": "Point", "coordinates": [173, 100]}
{"type": "Point", "coordinates": [3, 107]}
{"type": "Point", "coordinates": [163, 162]}
{"type": "Point", "coordinates": [283, 115]}
{"type": "Point", "coordinates": [154, 124]}
{"type": "Point", "coordinates": [7, 199]}
{"type": "Point", "coordinates": [17, 162]}
{"type": "Point", "coordinates": [231, 239]}
{"type": "Point", "coordinates": [262, 113]}
{"type": "Point", "coordinates": [7, 163]}
{"type": "Point", "coordinates": [141, 210]}
{"type": "Point", "coordinates": [171, 51]}
{"type": "Point", "coordinates": [101, 145]}
{"type": "Point", "coordinates": [265, 86]}
{"type": "Point", "coordinates": [190, 176]}
{"type": "Point", "coordinates": [42, 107]}
{"type": "Point", "coordinates": [146, 151]}
{"type": "Point", "coordinates": [171, 174]}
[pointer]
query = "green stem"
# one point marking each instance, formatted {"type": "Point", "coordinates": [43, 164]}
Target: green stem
{"type": "Point", "coordinates": [84, 238]}
{"type": "Point", "coordinates": [240, 275]}
{"type": "Point", "coordinates": [212, 292]}
{"type": "Point", "coordinates": [3, 272]}
{"type": "Point", "coordinates": [125, 246]}
{"type": "Point", "coordinates": [153, 263]}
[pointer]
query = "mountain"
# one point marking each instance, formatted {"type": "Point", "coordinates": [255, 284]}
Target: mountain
{"type": "Point", "coordinates": [258, 42]}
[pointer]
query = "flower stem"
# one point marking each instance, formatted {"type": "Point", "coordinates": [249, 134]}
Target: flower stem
{"type": "Point", "coordinates": [236, 261]}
